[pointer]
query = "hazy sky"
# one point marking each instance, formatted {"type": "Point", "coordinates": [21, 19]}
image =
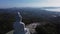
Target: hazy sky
{"type": "Point", "coordinates": [29, 3]}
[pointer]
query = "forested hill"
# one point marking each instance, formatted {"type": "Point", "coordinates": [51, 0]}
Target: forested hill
{"type": "Point", "coordinates": [34, 14]}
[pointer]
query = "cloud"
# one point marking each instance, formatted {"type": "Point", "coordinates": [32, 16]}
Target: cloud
{"type": "Point", "coordinates": [53, 3]}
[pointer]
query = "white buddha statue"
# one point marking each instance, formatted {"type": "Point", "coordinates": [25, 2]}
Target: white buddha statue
{"type": "Point", "coordinates": [19, 26]}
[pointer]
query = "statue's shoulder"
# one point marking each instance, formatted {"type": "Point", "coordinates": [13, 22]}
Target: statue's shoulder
{"type": "Point", "coordinates": [22, 23]}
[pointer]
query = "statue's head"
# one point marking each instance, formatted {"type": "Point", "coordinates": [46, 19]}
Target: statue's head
{"type": "Point", "coordinates": [20, 16]}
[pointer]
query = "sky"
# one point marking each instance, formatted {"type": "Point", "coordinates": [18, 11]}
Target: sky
{"type": "Point", "coordinates": [29, 3]}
